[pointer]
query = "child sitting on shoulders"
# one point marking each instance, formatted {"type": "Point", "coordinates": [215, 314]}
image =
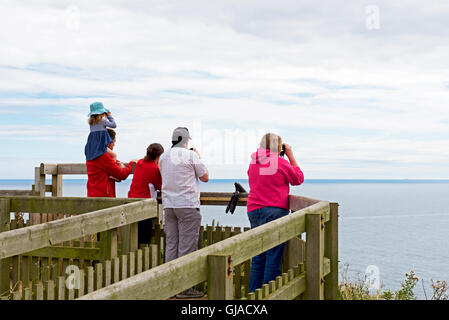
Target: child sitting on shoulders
{"type": "Point", "coordinates": [99, 139]}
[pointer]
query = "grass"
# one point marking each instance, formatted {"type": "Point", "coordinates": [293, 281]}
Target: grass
{"type": "Point", "coordinates": [358, 289]}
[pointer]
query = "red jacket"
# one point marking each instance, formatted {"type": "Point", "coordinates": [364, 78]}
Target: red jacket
{"type": "Point", "coordinates": [145, 172]}
{"type": "Point", "coordinates": [98, 172]}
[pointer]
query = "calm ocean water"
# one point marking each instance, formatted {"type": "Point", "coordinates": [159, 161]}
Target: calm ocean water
{"type": "Point", "coordinates": [394, 225]}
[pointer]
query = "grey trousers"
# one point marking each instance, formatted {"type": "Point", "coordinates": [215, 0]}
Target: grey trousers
{"type": "Point", "coordinates": [182, 226]}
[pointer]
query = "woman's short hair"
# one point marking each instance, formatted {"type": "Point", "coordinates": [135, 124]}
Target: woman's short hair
{"type": "Point", "coordinates": [154, 150]}
{"type": "Point", "coordinates": [272, 142]}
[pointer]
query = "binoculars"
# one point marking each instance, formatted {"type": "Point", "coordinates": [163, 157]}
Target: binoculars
{"type": "Point", "coordinates": [235, 197]}
{"type": "Point", "coordinates": [282, 154]}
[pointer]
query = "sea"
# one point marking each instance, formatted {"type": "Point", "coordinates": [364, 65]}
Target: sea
{"type": "Point", "coordinates": [390, 226]}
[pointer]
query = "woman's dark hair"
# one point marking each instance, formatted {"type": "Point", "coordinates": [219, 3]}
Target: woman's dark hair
{"type": "Point", "coordinates": [154, 150]}
{"type": "Point", "coordinates": [111, 133]}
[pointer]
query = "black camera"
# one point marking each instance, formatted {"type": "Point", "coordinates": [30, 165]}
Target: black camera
{"type": "Point", "coordinates": [282, 153]}
{"type": "Point", "coordinates": [235, 197]}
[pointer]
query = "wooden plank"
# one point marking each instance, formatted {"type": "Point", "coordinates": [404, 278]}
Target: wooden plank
{"type": "Point", "coordinates": [131, 264]}
{"type": "Point", "coordinates": [219, 277]}
{"type": "Point", "coordinates": [39, 290]}
{"type": "Point", "coordinates": [146, 258]}
{"type": "Point", "coordinates": [209, 230]}
{"type": "Point", "coordinates": [265, 290]}
{"type": "Point", "coordinates": [227, 232]}
{"type": "Point", "coordinates": [39, 182]}
{"type": "Point", "coordinates": [65, 168]}
{"type": "Point", "coordinates": [297, 203]}
{"type": "Point", "coordinates": [82, 284]}
{"type": "Point", "coordinates": [38, 236]}
{"type": "Point", "coordinates": [28, 293]}
{"type": "Point", "coordinates": [124, 267]}
{"type": "Point", "coordinates": [247, 271]}
{"type": "Point", "coordinates": [4, 193]}
{"type": "Point", "coordinates": [66, 252]}
{"type": "Point", "coordinates": [133, 237]}
{"type": "Point", "coordinates": [154, 255]}
{"type": "Point", "coordinates": [221, 198]}
{"type": "Point", "coordinates": [17, 295]}
{"type": "Point", "coordinates": [50, 290]}
{"type": "Point", "coordinates": [201, 238]}
{"type": "Point", "coordinates": [56, 185]}
{"type": "Point", "coordinates": [172, 277]}
{"type": "Point", "coordinates": [331, 252]}
{"type": "Point", "coordinates": [285, 278]}
{"type": "Point", "coordinates": [5, 217]}
{"type": "Point", "coordinates": [314, 260]}
{"type": "Point", "coordinates": [326, 267]}
{"type": "Point", "coordinates": [218, 235]}
{"type": "Point", "coordinates": [237, 274]}
{"type": "Point", "coordinates": [61, 288]}
{"type": "Point", "coordinates": [259, 294]}
{"type": "Point", "coordinates": [48, 168]}
{"type": "Point", "coordinates": [98, 276]}
{"type": "Point", "coordinates": [279, 282]}
{"type": "Point", "coordinates": [68, 205]}
{"type": "Point", "coordinates": [116, 269]}
{"type": "Point", "coordinates": [290, 275]}
{"type": "Point", "coordinates": [108, 245]}
{"type": "Point", "coordinates": [71, 294]}
{"type": "Point", "coordinates": [23, 273]}
{"type": "Point", "coordinates": [139, 261]}
{"type": "Point", "coordinates": [125, 231]}
{"type": "Point", "coordinates": [90, 279]}
{"type": "Point", "coordinates": [293, 253]}
{"type": "Point", "coordinates": [107, 273]}
{"type": "Point", "coordinates": [289, 291]}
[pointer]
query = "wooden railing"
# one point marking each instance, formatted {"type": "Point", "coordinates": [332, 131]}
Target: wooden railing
{"type": "Point", "coordinates": [310, 263]}
{"type": "Point", "coordinates": [32, 254]}
{"type": "Point", "coordinates": [316, 278]}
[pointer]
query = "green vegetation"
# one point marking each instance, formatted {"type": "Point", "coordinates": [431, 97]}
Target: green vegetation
{"type": "Point", "coordinates": [357, 289]}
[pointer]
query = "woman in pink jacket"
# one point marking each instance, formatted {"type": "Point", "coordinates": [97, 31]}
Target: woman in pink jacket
{"type": "Point", "coordinates": [270, 177]}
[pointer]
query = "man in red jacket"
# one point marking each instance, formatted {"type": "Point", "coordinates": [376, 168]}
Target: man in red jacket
{"type": "Point", "coordinates": [100, 169]}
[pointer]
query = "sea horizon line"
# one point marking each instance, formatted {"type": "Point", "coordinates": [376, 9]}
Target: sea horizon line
{"type": "Point", "coordinates": [333, 180]}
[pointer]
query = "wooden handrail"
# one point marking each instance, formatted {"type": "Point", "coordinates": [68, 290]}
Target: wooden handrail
{"type": "Point", "coordinates": [27, 239]}
{"type": "Point", "coordinates": [170, 278]}
{"type": "Point", "coordinates": [67, 205]}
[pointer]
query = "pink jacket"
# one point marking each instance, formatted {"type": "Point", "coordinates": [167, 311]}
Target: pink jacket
{"type": "Point", "coordinates": [270, 177]}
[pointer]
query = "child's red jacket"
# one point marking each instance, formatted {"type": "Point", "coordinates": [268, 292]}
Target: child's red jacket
{"type": "Point", "coordinates": [98, 172]}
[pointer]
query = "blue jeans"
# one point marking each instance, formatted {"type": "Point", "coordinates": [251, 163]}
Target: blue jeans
{"type": "Point", "coordinates": [266, 266]}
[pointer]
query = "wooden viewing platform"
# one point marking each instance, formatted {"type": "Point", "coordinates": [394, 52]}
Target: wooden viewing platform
{"type": "Point", "coordinates": [56, 254]}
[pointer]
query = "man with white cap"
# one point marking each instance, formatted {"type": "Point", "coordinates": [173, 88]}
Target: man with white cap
{"type": "Point", "coordinates": [181, 168]}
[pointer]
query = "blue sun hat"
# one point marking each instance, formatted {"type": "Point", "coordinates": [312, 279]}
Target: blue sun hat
{"type": "Point", "coordinates": [97, 108]}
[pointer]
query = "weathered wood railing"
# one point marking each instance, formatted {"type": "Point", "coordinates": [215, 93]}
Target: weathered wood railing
{"type": "Point", "coordinates": [48, 241]}
{"type": "Point", "coordinates": [310, 264]}
{"type": "Point", "coordinates": [316, 278]}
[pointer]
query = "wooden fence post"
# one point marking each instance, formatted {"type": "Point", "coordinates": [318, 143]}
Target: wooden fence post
{"type": "Point", "coordinates": [293, 253]}
{"type": "Point", "coordinates": [41, 182]}
{"type": "Point", "coordinates": [314, 254]}
{"type": "Point", "coordinates": [108, 244]}
{"type": "Point", "coordinates": [133, 237]}
{"type": "Point", "coordinates": [125, 231]}
{"type": "Point", "coordinates": [56, 185]}
{"type": "Point", "coordinates": [219, 277]}
{"type": "Point", "coordinates": [4, 263]}
{"type": "Point", "coordinates": [331, 251]}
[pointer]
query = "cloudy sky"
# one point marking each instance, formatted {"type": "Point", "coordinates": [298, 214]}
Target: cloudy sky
{"type": "Point", "coordinates": [360, 89]}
